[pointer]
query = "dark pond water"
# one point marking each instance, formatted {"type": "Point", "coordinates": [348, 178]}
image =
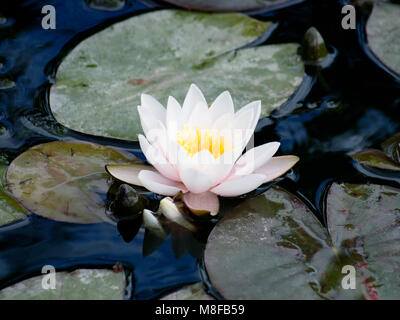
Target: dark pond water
{"type": "Point", "coordinates": [347, 106]}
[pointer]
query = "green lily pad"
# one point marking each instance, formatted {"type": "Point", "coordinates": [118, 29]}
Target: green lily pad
{"type": "Point", "coordinates": [192, 292]}
{"type": "Point", "coordinates": [64, 181]}
{"type": "Point", "coordinates": [98, 85]}
{"type": "Point", "coordinates": [228, 5]}
{"type": "Point", "coordinates": [375, 158]}
{"type": "Point", "coordinates": [10, 209]}
{"type": "Point", "coordinates": [383, 32]}
{"type": "Point", "coordinates": [273, 247]}
{"type": "Point", "coordinates": [81, 284]}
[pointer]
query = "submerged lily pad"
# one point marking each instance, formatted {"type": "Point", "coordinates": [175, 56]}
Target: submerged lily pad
{"type": "Point", "coordinates": [98, 85]}
{"type": "Point", "coordinates": [392, 148]}
{"type": "Point", "coordinates": [383, 31]}
{"type": "Point", "coordinates": [64, 181]}
{"type": "Point", "coordinates": [273, 247]}
{"type": "Point", "coordinates": [108, 5]}
{"type": "Point", "coordinates": [388, 159]}
{"type": "Point", "coordinates": [230, 5]}
{"type": "Point", "coordinates": [10, 209]}
{"type": "Point", "coordinates": [375, 158]}
{"type": "Point", "coordinates": [192, 292]}
{"type": "Point", "coordinates": [81, 284]}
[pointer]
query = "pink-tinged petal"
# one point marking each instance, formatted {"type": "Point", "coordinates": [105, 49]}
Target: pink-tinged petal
{"type": "Point", "coordinates": [222, 105]}
{"type": "Point", "coordinates": [277, 166]}
{"type": "Point", "coordinates": [239, 186]}
{"type": "Point", "coordinates": [128, 173]}
{"type": "Point", "coordinates": [156, 158]}
{"type": "Point", "coordinates": [254, 159]}
{"type": "Point", "coordinates": [174, 117]}
{"type": "Point", "coordinates": [157, 137]}
{"type": "Point", "coordinates": [202, 203]}
{"type": "Point", "coordinates": [193, 97]}
{"type": "Point", "coordinates": [222, 167]}
{"type": "Point", "coordinates": [196, 181]}
{"type": "Point", "coordinates": [157, 183]}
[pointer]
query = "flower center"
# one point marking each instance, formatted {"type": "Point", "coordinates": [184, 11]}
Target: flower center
{"type": "Point", "coordinates": [194, 140]}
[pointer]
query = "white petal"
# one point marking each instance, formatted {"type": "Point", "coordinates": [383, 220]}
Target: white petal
{"type": "Point", "coordinates": [242, 121]}
{"type": "Point", "coordinates": [157, 183]}
{"type": "Point", "coordinates": [200, 117]}
{"type": "Point", "coordinates": [150, 112]}
{"type": "Point", "coordinates": [254, 158]}
{"type": "Point", "coordinates": [202, 203]}
{"type": "Point", "coordinates": [277, 166]}
{"type": "Point", "coordinates": [193, 97]}
{"type": "Point", "coordinates": [174, 117]}
{"type": "Point", "coordinates": [152, 104]}
{"type": "Point", "coordinates": [196, 181]}
{"type": "Point", "coordinates": [223, 123]}
{"type": "Point", "coordinates": [156, 158]}
{"type": "Point", "coordinates": [222, 105]}
{"type": "Point", "coordinates": [239, 186]}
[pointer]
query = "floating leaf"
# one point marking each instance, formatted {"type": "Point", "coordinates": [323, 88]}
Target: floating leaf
{"type": "Point", "coordinates": [229, 5]}
{"type": "Point", "coordinates": [272, 246]}
{"type": "Point", "coordinates": [192, 292]}
{"type": "Point", "coordinates": [383, 31]}
{"type": "Point", "coordinates": [375, 158]}
{"type": "Point", "coordinates": [64, 181]}
{"type": "Point", "coordinates": [10, 209]}
{"type": "Point", "coordinates": [98, 85]}
{"type": "Point", "coordinates": [81, 284]}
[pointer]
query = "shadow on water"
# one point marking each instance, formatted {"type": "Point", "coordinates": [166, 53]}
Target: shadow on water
{"type": "Point", "coordinates": [349, 105]}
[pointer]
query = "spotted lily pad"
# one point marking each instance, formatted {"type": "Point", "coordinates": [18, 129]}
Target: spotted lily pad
{"type": "Point", "coordinates": [383, 31]}
{"type": "Point", "coordinates": [64, 181]}
{"type": "Point", "coordinates": [81, 284]}
{"type": "Point", "coordinates": [10, 209]}
{"type": "Point", "coordinates": [192, 292]}
{"type": "Point", "coordinates": [273, 247]}
{"type": "Point", "coordinates": [230, 5]}
{"type": "Point", "coordinates": [98, 85]}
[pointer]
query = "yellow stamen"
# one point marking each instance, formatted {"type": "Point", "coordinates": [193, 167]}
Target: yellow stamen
{"type": "Point", "coordinates": [194, 140]}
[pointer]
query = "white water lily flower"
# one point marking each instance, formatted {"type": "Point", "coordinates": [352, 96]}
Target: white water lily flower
{"type": "Point", "coordinates": [198, 149]}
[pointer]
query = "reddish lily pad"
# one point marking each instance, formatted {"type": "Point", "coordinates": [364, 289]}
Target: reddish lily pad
{"type": "Point", "coordinates": [65, 181]}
